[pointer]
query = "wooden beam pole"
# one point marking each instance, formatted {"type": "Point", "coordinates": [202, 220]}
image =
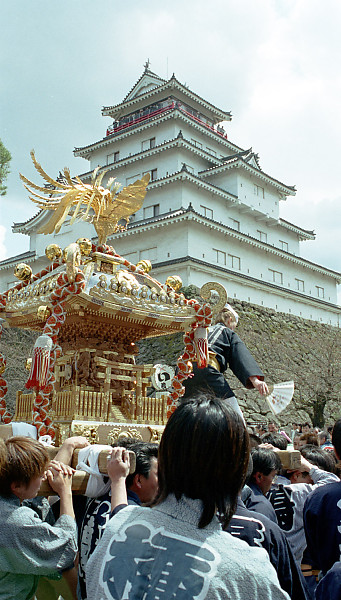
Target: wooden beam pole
{"type": "Point", "coordinates": [80, 478]}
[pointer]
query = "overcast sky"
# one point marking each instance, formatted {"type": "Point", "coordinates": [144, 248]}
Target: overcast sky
{"type": "Point", "coordinates": [274, 64]}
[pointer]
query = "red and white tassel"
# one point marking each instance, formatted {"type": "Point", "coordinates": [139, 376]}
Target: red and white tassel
{"type": "Point", "coordinates": [40, 363]}
{"type": "Point", "coordinates": [201, 346]}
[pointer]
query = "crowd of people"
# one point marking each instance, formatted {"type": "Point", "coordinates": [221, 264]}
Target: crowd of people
{"type": "Point", "coordinates": [215, 511]}
{"type": "Point", "coordinates": [209, 513]}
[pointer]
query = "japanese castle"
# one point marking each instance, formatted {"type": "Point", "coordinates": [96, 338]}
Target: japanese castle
{"type": "Point", "coordinates": [210, 214]}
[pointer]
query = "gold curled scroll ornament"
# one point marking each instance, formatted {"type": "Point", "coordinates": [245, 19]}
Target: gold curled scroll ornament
{"type": "Point", "coordinates": [206, 294]}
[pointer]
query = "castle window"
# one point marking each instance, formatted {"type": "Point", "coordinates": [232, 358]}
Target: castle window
{"type": "Point", "coordinates": [275, 276]}
{"type": "Point", "coordinates": [299, 285]}
{"type": "Point", "coordinates": [234, 262]}
{"type": "Point", "coordinates": [220, 257]}
{"type": "Point", "coordinates": [151, 211]}
{"type": "Point", "coordinates": [211, 151]}
{"type": "Point", "coordinates": [148, 144]}
{"type": "Point", "coordinates": [283, 245]}
{"type": "Point", "coordinates": [153, 174]}
{"type": "Point", "coordinates": [234, 223]}
{"type": "Point", "coordinates": [263, 237]}
{"type": "Point", "coordinates": [114, 157]}
{"type": "Point", "coordinates": [319, 291]}
{"type": "Point", "coordinates": [258, 191]}
{"type": "Point", "coordinates": [207, 212]}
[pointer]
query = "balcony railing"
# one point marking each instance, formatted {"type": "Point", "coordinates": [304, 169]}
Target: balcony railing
{"type": "Point", "coordinates": [115, 128]}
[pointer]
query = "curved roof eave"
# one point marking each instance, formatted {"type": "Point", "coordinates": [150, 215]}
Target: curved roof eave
{"type": "Point", "coordinates": [239, 162]}
{"type": "Point", "coordinates": [171, 84]}
{"type": "Point", "coordinates": [26, 226]}
{"type": "Point", "coordinates": [180, 214]}
{"type": "Point", "coordinates": [85, 151]}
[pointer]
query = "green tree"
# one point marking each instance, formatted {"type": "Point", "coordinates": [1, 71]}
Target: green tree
{"type": "Point", "coordinates": [5, 158]}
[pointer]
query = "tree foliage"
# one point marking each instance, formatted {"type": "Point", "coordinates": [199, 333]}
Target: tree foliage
{"type": "Point", "coordinates": [5, 158]}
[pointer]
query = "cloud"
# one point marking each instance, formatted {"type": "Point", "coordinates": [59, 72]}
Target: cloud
{"type": "Point", "coordinates": [273, 64]}
{"type": "Point", "coordinates": [324, 218]}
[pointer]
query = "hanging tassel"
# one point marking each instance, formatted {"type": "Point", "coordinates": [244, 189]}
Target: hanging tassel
{"type": "Point", "coordinates": [40, 363]}
{"type": "Point", "coordinates": [201, 346]}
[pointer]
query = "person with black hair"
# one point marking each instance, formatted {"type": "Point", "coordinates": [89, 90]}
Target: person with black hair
{"type": "Point", "coordinates": [325, 440]}
{"type": "Point", "coordinates": [266, 466]}
{"type": "Point", "coordinates": [319, 457]}
{"type": "Point", "coordinates": [141, 488]}
{"type": "Point", "coordinates": [255, 440]}
{"type": "Point", "coordinates": [177, 549]}
{"type": "Point", "coordinates": [292, 490]}
{"type": "Point", "coordinates": [275, 439]}
{"type": "Point", "coordinates": [322, 518]}
{"type": "Point", "coordinates": [257, 530]}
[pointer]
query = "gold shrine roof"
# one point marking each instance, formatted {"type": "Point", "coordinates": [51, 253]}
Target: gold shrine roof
{"type": "Point", "coordinates": [112, 294]}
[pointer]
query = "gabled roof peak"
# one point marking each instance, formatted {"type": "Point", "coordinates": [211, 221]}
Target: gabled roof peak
{"type": "Point", "coordinates": [145, 83]}
{"type": "Point", "coordinates": [247, 155]}
{"type": "Point", "coordinates": [151, 86]}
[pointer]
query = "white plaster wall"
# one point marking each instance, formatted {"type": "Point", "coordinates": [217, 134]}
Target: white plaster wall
{"type": "Point", "coordinates": [269, 204]}
{"type": "Point", "coordinates": [228, 181]}
{"type": "Point", "coordinates": [210, 143]}
{"type": "Point", "coordinates": [171, 242]}
{"type": "Point", "coordinates": [256, 262]}
{"type": "Point", "coordinates": [130, 142]}
{"type": "Point", "coordinates": [67, 234]}
{"type": "Point", "coordinates": [247, 292]}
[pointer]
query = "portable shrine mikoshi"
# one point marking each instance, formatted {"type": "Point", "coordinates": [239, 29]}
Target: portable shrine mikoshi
{"type": "Point", "coordinates": [91, 307]}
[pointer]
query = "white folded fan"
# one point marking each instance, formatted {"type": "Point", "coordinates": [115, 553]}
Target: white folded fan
{"type": "Point", "coordinates": [281, 396]}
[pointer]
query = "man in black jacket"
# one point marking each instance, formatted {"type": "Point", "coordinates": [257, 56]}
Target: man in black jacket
{"type": "Point", "coordinates": [226, 349]}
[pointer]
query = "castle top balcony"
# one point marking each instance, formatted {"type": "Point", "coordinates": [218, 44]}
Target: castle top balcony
{"type": "Point", "coordinates": [160, 109]}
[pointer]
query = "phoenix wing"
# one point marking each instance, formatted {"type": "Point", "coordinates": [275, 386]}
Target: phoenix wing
{"type": "Point", "coordinates": [129, 200]}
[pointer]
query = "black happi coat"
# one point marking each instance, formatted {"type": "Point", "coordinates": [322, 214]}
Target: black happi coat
{"type": "Point", "coordinates": [230, 352]}
{"type": "Point", "coordinates": [257, 530]}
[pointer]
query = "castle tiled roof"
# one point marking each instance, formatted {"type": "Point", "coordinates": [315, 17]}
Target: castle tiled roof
{"type": "Point", "coordinates": [85, 151]}
{"type": "Point", "coordinates": [245, 159]}
{"type": "Point", "coordinates": [172, 84]}
{"type": "Point", "coordinates": [181, 213]}
{"type": "Point", "coordinates": [147, 71]}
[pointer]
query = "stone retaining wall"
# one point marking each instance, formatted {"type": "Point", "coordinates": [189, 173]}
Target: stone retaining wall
{"type": "Point", "coordinates": [286, 347]}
